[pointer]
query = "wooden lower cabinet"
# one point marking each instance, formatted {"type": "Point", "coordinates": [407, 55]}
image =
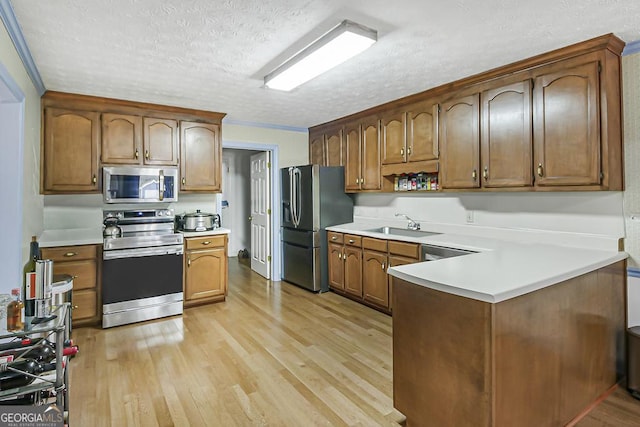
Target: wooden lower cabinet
{"type": "Point", "coordinates": [82, 263]}
{"type": "Point", "coordinates": [358, 267]}
{"type": "Point", "coordinates": [206, 269]}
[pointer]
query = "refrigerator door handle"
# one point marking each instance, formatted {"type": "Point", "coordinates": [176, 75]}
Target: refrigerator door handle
{"type": "Point", "coordinates": [298, 188]}
{"type": "Point", "coordinates": [293, 196]}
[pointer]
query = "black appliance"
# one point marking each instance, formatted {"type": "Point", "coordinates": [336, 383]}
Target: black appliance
{"type": "Point", "coordinates": [313, 198]}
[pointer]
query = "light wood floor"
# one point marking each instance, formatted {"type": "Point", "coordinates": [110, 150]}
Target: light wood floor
{"type": "Point", "coordinates": [272, 354]}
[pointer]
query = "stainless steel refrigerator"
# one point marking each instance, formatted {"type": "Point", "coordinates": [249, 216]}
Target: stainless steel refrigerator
{"type": "Point", "coordinates": [313, 198]}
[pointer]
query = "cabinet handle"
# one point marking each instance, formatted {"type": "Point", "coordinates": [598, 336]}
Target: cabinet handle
{"type": "Point", "coordinates": [137, 154]}
{"type": "Point", "coordinates": [402, 151]}
{"type": "Point", "coordinates": [344, 257]}
{"type": "Point", "coordinates": [70, 254]}
{"type": "Point", "coordinates": [207, 242]}
{"type": "Point", "coordinates": [94, 179]}
{"type": "Point", "coordinates": [409, 150]}
{"type": "Point", "coordinates": [383, 266]}
{"type": "Point", "coordinates": [184, 181]}
{"type": "Point", "coordinates": [334, 237]}
{"type": "Point", "coordinates": [361, 181]}
{"type": "Point", "coordinates": [474, 175]}
{"type": "Point", "coordinates": [485, 173]}
{"type": "Point", "coordinates": [146, 154]}
{"type": "Point", "coordinates": [189, 262]}
{"type": "Point", "coordinates": [75, 307]}
{"type": "Point", "coordinates": [540, 170]}
{"type": "Point", "coordinates": [74, 277]}
{"type": "Point", "coordinates": [351, 241]}
{"type": "Point", "coordinates": [357, 180]}
{"type": "Point", "coordinates": [339, 255]}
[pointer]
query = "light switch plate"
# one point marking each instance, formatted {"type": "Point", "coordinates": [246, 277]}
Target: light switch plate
{"type": "Point", "coordinates": [470, 217]}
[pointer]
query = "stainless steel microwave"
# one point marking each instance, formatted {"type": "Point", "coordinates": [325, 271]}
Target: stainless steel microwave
{"type": "Point", "coordinates": [133, 184]}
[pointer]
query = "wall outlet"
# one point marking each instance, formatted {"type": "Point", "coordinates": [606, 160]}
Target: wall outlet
{"type": "Point", "coordinates": [470, 217]}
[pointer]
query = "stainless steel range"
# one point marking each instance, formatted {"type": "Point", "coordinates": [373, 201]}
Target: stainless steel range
{"type": "Point", "coordinates": [142, 267]}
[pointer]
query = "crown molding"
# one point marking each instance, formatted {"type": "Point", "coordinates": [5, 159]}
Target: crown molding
{"type": "Point", "coordinates": [13, 28]}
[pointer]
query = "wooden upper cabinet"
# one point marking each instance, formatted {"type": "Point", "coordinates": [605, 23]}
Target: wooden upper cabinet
{"type": "Point", "coordinates": [160, 141]}
{"type": "Point", "coordinates": [394, 138]}
{"type": "Point", "coordinates": [201, 155]}
{"type": "Point", "coordinates": [422, 131]}
{"type": "Point", "coordinates": [459, 136]}
{"type": "Point", "coordinates": [506, 136]}
{"type": "Point", "coordinates": [316, 148]}
{"type": "Point", "coordinates": [352, 153]}
{"type": "Point", "coordinates": [567, 126]}
{"type": "Point", "coordinates": [70, 151]}
{"type": "Point", "coordinates": [371, 178]}
{"type": "Point", "coordinates": [121, 139]}
{"type": "Point", "coordinates": [333, 147]}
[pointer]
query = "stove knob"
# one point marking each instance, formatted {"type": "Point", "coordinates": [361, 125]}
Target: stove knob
{"type": "Point", "coordinates": [160, 213]}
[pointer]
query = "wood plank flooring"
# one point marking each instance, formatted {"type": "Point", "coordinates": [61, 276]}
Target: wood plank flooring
{"type": "Point", "coordinates": [271, 355]}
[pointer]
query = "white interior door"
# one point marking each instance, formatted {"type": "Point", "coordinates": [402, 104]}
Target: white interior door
{"type": "Point", "coordinates": [261, 214]}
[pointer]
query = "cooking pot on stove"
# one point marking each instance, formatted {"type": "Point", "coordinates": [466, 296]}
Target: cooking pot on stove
{"type": "Point", "coordinates": [111, 228]}
{"type": "Point", "coordinates": [198, 221]}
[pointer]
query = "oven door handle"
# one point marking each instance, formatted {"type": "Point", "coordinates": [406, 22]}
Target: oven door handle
{"type": "Point", "coordinates": [134, 253]}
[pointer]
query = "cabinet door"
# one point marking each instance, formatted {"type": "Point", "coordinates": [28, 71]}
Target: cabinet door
{"type": "Point", "coordinates": [393, 138]}
{"type": "Point", "coordinates": [121, 139]}
{"type": "Point", "coordinates": [336, 266]}
{"type": "Point", "coordinates": [395, 261]}
{"type": "Point", "coordinates": [352, 153]}
{"type": "Point", "coordinates": [422, 131]}
{"type": "Point", "coordinates": [200, 159]}
{"type": "Point", "coordinates": [352, 258]}
{"type": "Point", "coordinates": [70, 151]}
{"type": "Point", "coordinates": [374, 278]}
{"type": "Point", "coordinates": [371, 178]}
{"type": "Point", "coordinates": [316, 148]}
{"type": "Point", "coordinates": [333, 147]}
{"type": "Point", "coordinates": [567, 126]}
{"type": "Point", "coordinates": [506, 136]}
{"type": "Point", "coordinates": [460, 142]}
{"type": "Point", "coordinates": [160, 141]}
{"type": "Point", "coordinates": [205, 273]}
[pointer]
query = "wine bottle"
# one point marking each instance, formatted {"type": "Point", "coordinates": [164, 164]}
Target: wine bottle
{"type": "Point", "coordinates": [28, 342]}
{"type": "Point", "coordinates": [11, 379]}
{"type": "Point", "coordinates": [44, 351]}
{"type": "Point", "coordinates": [29, 279]}
{"type": "Point", "coordinates": [15, 312]}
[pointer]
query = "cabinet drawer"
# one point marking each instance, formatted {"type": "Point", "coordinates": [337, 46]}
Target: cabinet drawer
{"type": "Point", "coordinates": [351, 240]}
{"type": "Point", "coordinates": [334, 237]}
{"type": "Point", "coordinates": [206, 242]}
{"type": "Point", "coordinates": [70, 253]}
{"type": "Point", "coordinates": [84, 303]}
{"type": "Point", "coordinates": [83, 272]}
{"type": "Point", "coordinates": [379, 245]}
{"type": "Point", "coordinates": [411, 250]}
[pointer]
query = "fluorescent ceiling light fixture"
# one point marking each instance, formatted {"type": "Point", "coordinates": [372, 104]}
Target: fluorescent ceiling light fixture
{"type": "Point", "coordinates": [344, 41]}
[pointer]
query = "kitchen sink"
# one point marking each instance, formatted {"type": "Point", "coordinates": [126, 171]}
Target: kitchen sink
{"type": "Point", "coordinates": [401, 232]}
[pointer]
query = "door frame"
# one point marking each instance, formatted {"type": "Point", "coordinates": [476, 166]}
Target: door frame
{"type": "Point", "coordinates": [276, 249]}
{"type": "Point", "coordinates": [12, 112]}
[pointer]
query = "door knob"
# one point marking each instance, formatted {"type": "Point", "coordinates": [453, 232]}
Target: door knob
{"type": "Point", "coordinates": [250, 218]}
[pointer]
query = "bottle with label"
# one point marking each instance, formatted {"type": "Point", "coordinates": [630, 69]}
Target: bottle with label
{"type": "Point", "coordinates": [15, 312]}
{"type": "Point", "coordinates": [23, 372]}
{"type": "Point", "coordinates": [28, 291]}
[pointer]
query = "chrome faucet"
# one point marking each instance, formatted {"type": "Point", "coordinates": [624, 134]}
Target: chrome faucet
{"type": "Point", "coordinates": [413, 225]}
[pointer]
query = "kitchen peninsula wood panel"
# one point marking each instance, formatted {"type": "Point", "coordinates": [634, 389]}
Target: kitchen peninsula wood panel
{"type": "Point", "coordinates": [537, 359]}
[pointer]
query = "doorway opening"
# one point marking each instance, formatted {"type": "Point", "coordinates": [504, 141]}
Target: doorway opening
{"type": "Point", "coordinates": [249, 204]}
{"type": "Point", "coordinates": [11, 177]}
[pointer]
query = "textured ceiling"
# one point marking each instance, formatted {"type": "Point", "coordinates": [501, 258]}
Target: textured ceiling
{"type": "Point", "coordinates": [213, 55]}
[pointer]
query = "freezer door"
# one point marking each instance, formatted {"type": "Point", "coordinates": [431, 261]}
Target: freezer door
{"type": "Point", "coordinates": [302, 266]}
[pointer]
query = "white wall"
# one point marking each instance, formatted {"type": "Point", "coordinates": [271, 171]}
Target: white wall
{"type": "Point", "coordinates": [293, 146]}
{"type": "Point", "coordinates": [32, 204]}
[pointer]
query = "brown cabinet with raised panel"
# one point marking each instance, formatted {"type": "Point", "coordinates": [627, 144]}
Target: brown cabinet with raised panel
{"type": "Point", "coordinates": [206, 269]}
{"type": "Point", "coordinates": [374, 272]}
{"type": "Point", "coordinates": [160, 141]}
{"type": "Point", "coordinates": [70, 151]}
{"type": "Point", "coordinates": [336, 262]}
{"type": "Point", "coordinates": [410, 133]}
{"type": "Point", "coordinates": [83, 264]}
{"type": "Point", "coordinates": [333, 147]}
{"type": "Point", "coordinates": [201, 157]}
{"type": "Point", "coordinates": [316, 147]}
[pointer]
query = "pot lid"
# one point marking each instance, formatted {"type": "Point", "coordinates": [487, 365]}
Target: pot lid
{"type": "Point", "coordinates": [197, 214]}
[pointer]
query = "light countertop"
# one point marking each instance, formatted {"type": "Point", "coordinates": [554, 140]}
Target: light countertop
{"type": "Point", "coordinates": [500, 270]}
{"type": "Point", "coordinates": [213, 232]}
{"type": "Point", "coordinates": [70, 237]}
